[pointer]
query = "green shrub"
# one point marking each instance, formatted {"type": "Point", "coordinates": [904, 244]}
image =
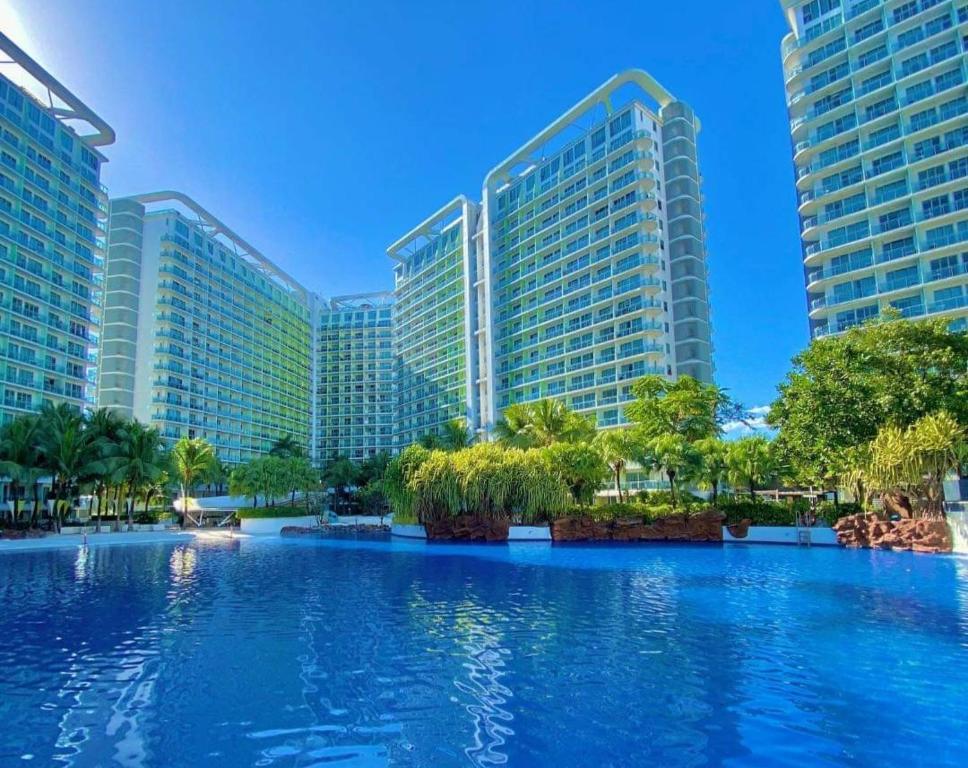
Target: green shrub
{"type": "Point", "coordinates": [604, 513]}
{"type": "Point", "coordinates": [663, 498]}
{"type": "Point", "coordinates": [147, 518]}
{"type": "Point", "coordinates": [830, 513]}
{"type": "Point", "coordinates": [269, 512]}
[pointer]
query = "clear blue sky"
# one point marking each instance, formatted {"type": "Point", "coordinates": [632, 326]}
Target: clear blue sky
{"type": "Point", "coordinates": [322, 131]}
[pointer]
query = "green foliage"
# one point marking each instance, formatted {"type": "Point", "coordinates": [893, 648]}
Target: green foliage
{"type": "Point", "coordinates": [687, 408]}
{"type": "Point", "coordinates": [542, 423]}
{"type": "Point", "coordinates": [398, 480]}
{"type": "Point", "coordinates": [282, 510]}
{"type": "Point", "coordinates": [581, 467]}
{"type": "Point", "coordinates": [751, 461]}
{"type": "Point", "coordinates": [286, 447]}
{"type": "Point", "coordinates": [191, 459]}
{"type": "Point", "coordinates": [617, 449]}
{"type": "Point", "coordinates": [844, 389]}
{"type": "Point", "coordinates": [673, 455]}
{"type": "Point", "coordinates": [912, 461]}
{"type": "Point", "coordinates": [712, 469]}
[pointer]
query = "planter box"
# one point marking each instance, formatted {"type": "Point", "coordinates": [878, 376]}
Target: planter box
{"type": "Point", "coordinates": [408, 531]}
{"type": "Point", "coordinates": [106, 527]}
{"type": "Point", "coordinates": [782, 534]}
{"type": "Point", "coordinates": [260, 526]}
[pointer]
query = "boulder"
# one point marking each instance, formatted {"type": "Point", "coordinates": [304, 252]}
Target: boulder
{"type": "Point", "coordinates": [917, 534]}
{"type": "Point", "coordinates": [739, 530]}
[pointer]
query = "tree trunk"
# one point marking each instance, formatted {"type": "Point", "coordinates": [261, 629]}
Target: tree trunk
{"type": "Point", "coordinates": [752, 489]}
{"type": "Point", "coordinates": [130, 506]}
{"type": "Point", "coordinates": [618, 484]}
{"type": "Point", "coordinates": [715, 492]}
{"type": "Point", "coordinates": [117, 509]}
{"type": "Point", "coordinates": [672, 486]}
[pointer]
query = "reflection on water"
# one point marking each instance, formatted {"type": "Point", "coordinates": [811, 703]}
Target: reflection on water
{"type": "Point", "coordinates": [376, 653]}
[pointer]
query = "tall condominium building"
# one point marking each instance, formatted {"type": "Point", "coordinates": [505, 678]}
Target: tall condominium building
{"type": "Point", "coordinates": [434, 329]}
{"type": "Point", "coordinates": [878, 100]}
{"type": "Point", "coordinates": [203, 336]}
{"type": "Point", "coordinates": [582, 269]}
{"type": "Point", "coordinates": [354, 381]}
{"type": "Point", "coordinates": [52, 211]}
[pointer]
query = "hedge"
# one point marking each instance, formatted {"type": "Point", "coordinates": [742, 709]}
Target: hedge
{"type": "Point", "coordinates": [268, 512]}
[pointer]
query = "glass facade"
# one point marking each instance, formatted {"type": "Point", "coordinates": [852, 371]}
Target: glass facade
{"type": "Point", "coordinates": [52, 232]}
{"type": "Point", "coordinates": [878, 106]}
{"type": "Point", "coordinates": [219, 344]}
{"type": "Point", "coordinates": [431, 323]}
{"type": "Point", "coordinates": [355, 382]}
{"type": "Point", "coordinates": [583, 292]}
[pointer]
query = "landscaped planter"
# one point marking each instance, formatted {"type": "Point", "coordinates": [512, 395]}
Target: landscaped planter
{"type": "Point", "coordinates": [777, 534]}
{"type": "Point", "coordinates": [703, 526]}
{"type": "Point", "coordinates": [273, 525]}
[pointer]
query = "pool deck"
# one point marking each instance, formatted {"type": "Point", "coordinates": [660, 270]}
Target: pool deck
{"type": "Point", "coordinates": [73, 540]}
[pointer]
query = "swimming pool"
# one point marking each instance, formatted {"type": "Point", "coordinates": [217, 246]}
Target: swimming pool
{"type": "Point", "coordinates": [339, 652]}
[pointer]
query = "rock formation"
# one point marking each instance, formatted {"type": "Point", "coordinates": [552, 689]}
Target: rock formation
{"type": "Point", "coordinates": [702, 526]}
{"type": "Point", "coordinates": [467, 528]}
{"type": "Point", "coordinates": [918, 535]}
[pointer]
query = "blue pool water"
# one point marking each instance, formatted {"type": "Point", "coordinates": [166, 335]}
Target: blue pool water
{"type": "Point", "coordinates": [334, 653]}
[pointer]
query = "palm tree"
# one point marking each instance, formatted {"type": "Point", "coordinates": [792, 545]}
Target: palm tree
{"type": "Point", "coordinates": [69, 451]}
{"type": "Point", "coordinates": [674, 455]}
{"type": "Point", "coordinates": [751, 462]}
{"type": "Point", "coordinates": [616, 449]}
{"type": "Point", "coordinates": [712, 468]}
{"type": "Point", "coordinates": [108, 425]}
{"type": "Point", "coordinates": [218, 475]}
{"type": "Point", "coordinates": [430, 441]}
{"type": "Point", "coordinates": [140, 461]}
{"type": "Point", "coordinates": [456, 435]}
{"type": "Point", "coordinates": [18, 457]}
{"type": "Point", "coordinates": [542, 423]}
{"type": "Point", "coordinates": [339, 474]}
{"type": "Point", "coordinates": [286, 447]}
{"type": "Point", "coordinates": [191, 458]}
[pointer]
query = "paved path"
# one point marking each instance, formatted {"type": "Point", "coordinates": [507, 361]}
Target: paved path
{"type": "Point", "coordinates": [73, 540]}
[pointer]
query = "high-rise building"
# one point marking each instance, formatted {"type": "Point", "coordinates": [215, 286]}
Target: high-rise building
{"type": "Point", "coordinates": [52, 211]}
{"type": "Point", "coordinates": [435, 367]}
{"type": "Point", "coordinates": [582, 269]}
{"type": "Point", "coordinates": [203, 335]}
{"type": "Point", "coordinates": [354, 381]}
{"type": "Point", "coordinates": [878, 100]}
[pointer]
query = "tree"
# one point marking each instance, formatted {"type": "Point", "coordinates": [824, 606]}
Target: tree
{"type": "Point", "coordinates": [69, 452]}
{"type": "Point", "coordinates": [844, 389]}
{"type": "Point", "coordinates": [913, 462]}
{"type": "Point", "coordinates": [339, 474]}
{"type": "Point", "coordinates": [106, 425]}
{"type": "Point", "coordinates": [685, 407]}
{"type": "Point", "coordinates": [617, 450]}
{"type": "Point", "coordinates": [140, 460]}
{"type": "Point", "coordinates": [751, 461]}
{"type": "Point", "coordinates": [191, 459]}
{"type": "Point", "coordinates": [456, 435]}
{"type": "Point", "coordinates": [581, 467]}
{"type": "Point", "coordinates": [242, 483]}
{"type": "Point", "coordinates": [286, 447]}
{"type": "Point", "coordinates": [299, 476]}
{"type": "Point", "coordinates": [675, 456]}
{"type": "Point", "coordinates": [712, 468]}
{"type": "Point", "coordinates": [218, 475]}
{"type": "Point", "coordinates": [373, 468]}
{"type": "Point", "coordinates": [542, 423]}
{"type": "Point", "coordinates": [18, 457]}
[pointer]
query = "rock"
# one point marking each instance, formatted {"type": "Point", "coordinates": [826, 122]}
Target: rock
{"type": "Point", "coordinates": [703, 526]}
{"type": "Point", "coordinates": [467, 528]}
{"type": "Point", "coordinates": [918, 534]}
